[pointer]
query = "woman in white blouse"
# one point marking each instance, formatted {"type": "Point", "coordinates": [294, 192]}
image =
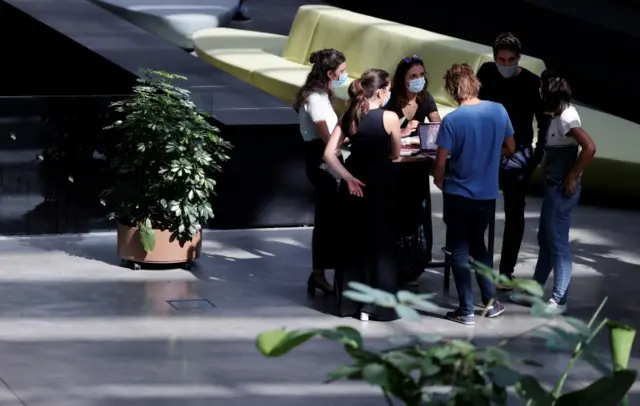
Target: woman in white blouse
{"type": "Point", "coordinates": [317, 121]}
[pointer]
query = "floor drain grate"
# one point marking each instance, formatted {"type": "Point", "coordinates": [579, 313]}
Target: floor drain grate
{"type": "Point", "coordinates": [191, 304]}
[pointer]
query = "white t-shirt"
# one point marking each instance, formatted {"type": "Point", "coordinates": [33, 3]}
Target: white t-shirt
{"type": "Point", "coordinates": [560, 127]}
{"type": "Point", "coordinates": [561, 150]}
{"type": "Point", "coordinates": [317, 108]}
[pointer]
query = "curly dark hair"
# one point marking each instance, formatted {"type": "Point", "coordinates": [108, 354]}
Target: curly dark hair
{"type": "Point", "coordinates": [322, 62]}
{"type": "Point", "coordinates": [507, 41]}
{"type": "Point", "coordinates": [555, 91]}
{"type": "Point", "coordinates": [398, 87]}
{"type": "Point", "coordinates": [360, 91]}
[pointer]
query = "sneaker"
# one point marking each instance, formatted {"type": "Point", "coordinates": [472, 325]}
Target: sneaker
{"type": "Point", "coordinates": [468, 320]}
{"type": "Point", "coordinates": [505, 287]}
{"type": "Point", "coordinates": [554, 307]}
{"type": "Point", "coordinates": [495, 310]}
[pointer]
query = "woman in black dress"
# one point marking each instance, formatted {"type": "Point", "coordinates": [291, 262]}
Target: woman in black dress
{"type": "Point", "coordinates": [411, 101]}
{"type": "Point", "coordinates": [367, 243]}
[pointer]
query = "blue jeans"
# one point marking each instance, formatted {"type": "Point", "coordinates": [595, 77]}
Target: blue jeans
{"type": "Point", "coordinates": [553, 238]}
{"type": "Point", "coordinates": [467, 220]}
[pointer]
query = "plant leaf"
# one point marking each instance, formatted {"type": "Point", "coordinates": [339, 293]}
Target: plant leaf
{"type": "Point", "coordinates": [428, 368]}
{"type": "Point", "coordinates": [529, 388]}
{"type": "Point", "coordinates": [504, 376]}
{"type": "Point", "coordinates": [375, 374]}
{"type": "Point", "coordinates": [358, 296]}
{"type": "Point", "coordinates": [606, 391]}
{"type": "Point", "coordinates": [275, 343]}
{"type": "Point", "coordinates": [407, 313]}
{"type": "Point", "coordinates": [530, 286]}
{"type": "Point", "coordinates": [147, 236]}
{"type": "Point", "coordinates": [345, 371]}
{"type": "Point", "coordinates": [429, 338]}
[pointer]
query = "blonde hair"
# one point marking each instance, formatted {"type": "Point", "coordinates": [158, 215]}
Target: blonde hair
{"type": "Point", "coordinates": [461, 83]}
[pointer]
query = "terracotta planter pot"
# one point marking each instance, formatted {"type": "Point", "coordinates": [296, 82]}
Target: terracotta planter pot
{"type": "Point", "coordinates": [165, 251]}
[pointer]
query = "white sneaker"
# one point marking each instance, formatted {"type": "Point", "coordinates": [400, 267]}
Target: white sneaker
{"type": "Point", "coordinates": [553, 306]}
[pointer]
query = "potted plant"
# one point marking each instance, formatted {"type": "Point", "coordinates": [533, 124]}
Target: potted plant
{"type": "Point", "coordinates": [164, 155]}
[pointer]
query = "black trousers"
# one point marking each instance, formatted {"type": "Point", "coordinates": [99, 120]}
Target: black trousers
{"type": "Point", "coordinates": [514, 191]}
{"type": "Point", "coordinates": [467, 221]}
{"type": "Point", "coordinates": [325, 221]}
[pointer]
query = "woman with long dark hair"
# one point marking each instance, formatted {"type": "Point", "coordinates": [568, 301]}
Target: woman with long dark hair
{"type": "Point", "coordinates": [317, 121]}
{"type": "Point", "coordinates": [367, 243]}
{"type": "Point", "coordinates": [410, 99]}
{"type": "Point", "coordinates": [568, 151]}
{"type": "Point", "coordinates": [412, 102]}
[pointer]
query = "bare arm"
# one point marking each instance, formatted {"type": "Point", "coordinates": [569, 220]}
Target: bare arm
{"type": "Point", "coordinates": [322, 129]}
{"type": "Point", "coordinates": [543, 127]}
{"type": "Point", "coordinates": [330, 153]}
{"type": "Point", "coordinates": [434, 117]}
{"type": "Point", "coordinates": [439, 166]}
{"type": "Point", "coordinates": [587, 152]}
{"type": "Point", "coordinates": [392, 125]}
{"type": "Point", "coordinates": [509, 147]}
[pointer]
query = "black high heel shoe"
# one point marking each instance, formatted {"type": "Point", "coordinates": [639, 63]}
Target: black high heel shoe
{"type": "Point", "coordinates": [312, 285]}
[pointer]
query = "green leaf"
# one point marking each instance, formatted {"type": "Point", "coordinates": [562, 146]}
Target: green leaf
{"type": "Point", "coordinates": [606, 391]}
{"type": "Point", "coordinates": [358, 297]}
{"type": "Point", "coordinates": [407, 313]}
{"type": "Point", "coordinates": [399, 340]}
{"type": "Point", "coordinates": [429, 338]}
{"type": "Point", "coordinates": [579, 325]}
{"type": "Point", "coordinates": [540, 311]}
{"type": "Point", "coordinates": [529, 388]}
{"type": "Point", "coordinates": [529, 286]}
{"type": "Point", "coordinates": [348, 336]}
{"type": "Point", "coordinates": [504, 376]}
{"type": "Point", "coordinates": [375, 374]}
{"type": "Point", "coordinates": [401, 360]}
{"type": "Point", "coordinates": [428, 368]}
{"type": "Point", "coordinates": [345, 371]}
{"type": "Point", "coordinates": [275, 343]}
{"type": "Point", "coordinates": [147, 236]}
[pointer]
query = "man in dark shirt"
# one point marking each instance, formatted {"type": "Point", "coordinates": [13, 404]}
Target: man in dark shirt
{"type": "Point", "coordinates": [518, 90]}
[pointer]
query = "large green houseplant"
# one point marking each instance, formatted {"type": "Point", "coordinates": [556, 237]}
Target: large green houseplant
{"type": "Point", "coordinates": [165, 155]}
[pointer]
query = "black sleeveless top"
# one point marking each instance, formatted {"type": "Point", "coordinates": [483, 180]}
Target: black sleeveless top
{"type": "Point", "coordinates": [370, 148]}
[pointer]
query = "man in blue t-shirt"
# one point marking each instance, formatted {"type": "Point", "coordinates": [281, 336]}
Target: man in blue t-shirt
{"type": "Point", "coordinates": [475, 136]}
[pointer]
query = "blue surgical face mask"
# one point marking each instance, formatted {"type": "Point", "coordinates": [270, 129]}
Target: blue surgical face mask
{"type": "Point", "coordinates": [507, 71]}
{"type": "Point", "coordinates": [416, 85]}
{"type": "Point", "coordinates": [341, 79]}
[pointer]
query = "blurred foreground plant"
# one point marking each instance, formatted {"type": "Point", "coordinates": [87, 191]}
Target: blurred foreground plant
{"type": "Point", "coordinates": [428, 370]}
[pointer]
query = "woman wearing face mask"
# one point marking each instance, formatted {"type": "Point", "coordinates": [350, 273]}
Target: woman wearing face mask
{"type": "Point", "coordinates": [317, 121]}
{"type": "Point", "coordinates": [367, 244]}
{"type": "Point", "coordinates": [411, 101]}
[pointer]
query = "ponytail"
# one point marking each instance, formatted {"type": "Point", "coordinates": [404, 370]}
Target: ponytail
{"type": "Point", "coordinates": [358, 107]}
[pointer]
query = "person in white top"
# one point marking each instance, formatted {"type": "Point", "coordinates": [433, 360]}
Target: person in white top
{"type": "Point", "coordinates": [568, 151]}
{"type": "Point", "coordinates": [317, 121]}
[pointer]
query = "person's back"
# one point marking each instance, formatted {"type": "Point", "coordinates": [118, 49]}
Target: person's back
{"type": "Point", "coordinates": [476, 133]}
{"type": "Point", "coordinates": [473, 135]}
{"type": "Point", "coordinates": [370, 147]}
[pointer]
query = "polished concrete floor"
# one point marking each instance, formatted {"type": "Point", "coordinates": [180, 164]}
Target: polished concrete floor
{"type": "Point", "coordinates": [76, 329]}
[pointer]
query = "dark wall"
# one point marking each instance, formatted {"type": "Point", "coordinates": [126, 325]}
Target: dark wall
{"type": "Point", "coordinates": [37, 60]}
{"type": "Point", "coordinates": [595, 59]}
